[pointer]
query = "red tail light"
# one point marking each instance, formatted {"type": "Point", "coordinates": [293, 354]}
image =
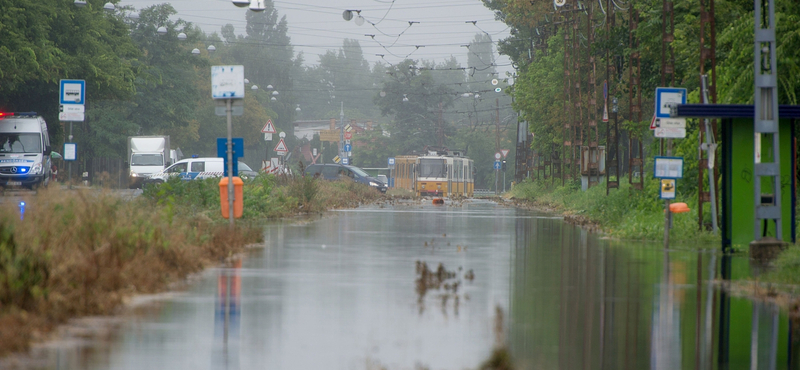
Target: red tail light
{"type": "Point", "coordinates": [5, 114]}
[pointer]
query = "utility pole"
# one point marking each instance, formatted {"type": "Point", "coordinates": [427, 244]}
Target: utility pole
{"type": "Point", "coordinates": [341, 131]}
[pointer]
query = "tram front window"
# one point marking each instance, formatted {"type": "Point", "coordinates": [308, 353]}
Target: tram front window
{"type": "Point", "coordinates": [432, 168]}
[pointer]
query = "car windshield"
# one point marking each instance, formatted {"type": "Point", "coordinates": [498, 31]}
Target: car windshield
{"type": "Point", "coordinates": [15, 142]}
{"type": "Point", "coordinates": [358, 171]}
{"type": "Point", "coordinates": [244, 167]}
{"type": "Point", "coordinates": [432, 167]}
{"type": "Point", "coordinates": [147, 159]}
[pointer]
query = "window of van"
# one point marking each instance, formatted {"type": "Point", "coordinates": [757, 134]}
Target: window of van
{"type": "Point", "coordinates": [178, 168]}
{"type": "Point", "coordinates": [26, 142]}
{"type": "Point", "coordinates": [330, 172]}
{"type": "Point", "coordinates": [198, 167]}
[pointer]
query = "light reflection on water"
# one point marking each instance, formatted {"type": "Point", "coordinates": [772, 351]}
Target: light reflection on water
{"type": "Point", "coordinates": [344, 292]}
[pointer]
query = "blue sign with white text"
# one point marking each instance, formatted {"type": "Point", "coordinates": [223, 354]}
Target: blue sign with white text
{"type": "Point", "coordinates": [348, 147]}
{"type": "Point", "coordinates": [497, 165]}
{"type": "Point", "coordinates": [72, 92]}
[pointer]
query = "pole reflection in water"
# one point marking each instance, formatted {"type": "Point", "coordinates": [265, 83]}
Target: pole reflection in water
{"type": "Point", "coordinates": [665, 351]}
{"type": "Point", "coordinates": [581, 302]}
{"type": "Point", "coordinates": [227, 314]}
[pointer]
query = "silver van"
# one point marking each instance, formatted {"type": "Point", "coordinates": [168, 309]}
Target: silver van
{"type": "Point", "coordinates": [24, 150]}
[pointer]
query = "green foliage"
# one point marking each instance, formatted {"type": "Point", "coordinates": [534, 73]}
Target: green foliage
{"type": "Point", "coordinates": [624, 213]}
{"type": "Point", "coordinates": [23, 273]}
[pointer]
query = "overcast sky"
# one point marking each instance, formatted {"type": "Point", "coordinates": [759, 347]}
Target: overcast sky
{"type": "Point", "coordinates": [317, 25]}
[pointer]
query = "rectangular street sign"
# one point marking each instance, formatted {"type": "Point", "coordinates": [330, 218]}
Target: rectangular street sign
{"type": "Point", "coordinates": [72, 108]}
{"type": "Point", "coordinates": [668, 167]}
{"type": "Point", "coordinates": [670, 132]}
{"type": "Point", "coordinates": [666, 97]}
{"type": "Point", "coordinates": [671, 122]}
{"type": "Point", "coordinates": [72, 92]}
{"type": "Point", "coordinates": [345, 161]}
{"type": "Point", "coordinates": [221, 107]}
{"type": "Point", "coordinates": [497, 165]}
{"type": "Point", "coordinates": [71, 116]}
{"type": "Point", "coordinates": [667, 189]}
{"type": "Point", "coordinates": [227, 82]}
{"type": "Point", "coordinates": [70, 151]}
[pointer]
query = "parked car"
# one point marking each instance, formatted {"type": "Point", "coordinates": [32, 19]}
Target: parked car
{"type": "Point", "coordinates": [384, 179]}
{"type": "Point", "coordinates": [337, 171]}
{"type": "Point", "coordinates": [199, 168]}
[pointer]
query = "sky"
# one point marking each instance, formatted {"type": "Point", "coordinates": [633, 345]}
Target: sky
{"type": "Point", "coordinates": [316, 26]}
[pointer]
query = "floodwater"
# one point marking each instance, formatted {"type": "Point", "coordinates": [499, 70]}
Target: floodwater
{"type": "Point", "coordinates": [363, 289]}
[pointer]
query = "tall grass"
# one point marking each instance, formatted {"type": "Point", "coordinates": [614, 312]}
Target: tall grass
{"type": "Point", "coordinates": [81, 252]}
{"type": "Point", "coordinates": [264, 197]}
{"type": "Point", "coordinates": [624, 213]}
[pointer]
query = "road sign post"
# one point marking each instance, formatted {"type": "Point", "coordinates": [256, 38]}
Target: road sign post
{"type": "Point", "coordinates": [72, 94]}
{"type": "Point", "coordinates": [227, 82]}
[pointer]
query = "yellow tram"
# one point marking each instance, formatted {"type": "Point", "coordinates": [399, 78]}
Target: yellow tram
{"type": "Point", "coordinates": [440, 173]}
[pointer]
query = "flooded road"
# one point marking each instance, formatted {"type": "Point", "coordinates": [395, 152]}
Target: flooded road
{"type": "Point", "coordinates": [418, 287]}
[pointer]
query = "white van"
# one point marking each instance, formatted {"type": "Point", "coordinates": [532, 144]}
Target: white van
{"type": "Point", "coordinates": [198, 168]}
{"type": "Point", "coordinates": [24, 150]}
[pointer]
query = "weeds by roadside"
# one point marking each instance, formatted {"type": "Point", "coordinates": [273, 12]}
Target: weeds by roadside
{"type": "Point", "coordinates": [623, 213]}
{"type": "Point", "coordinates": [81, 252]}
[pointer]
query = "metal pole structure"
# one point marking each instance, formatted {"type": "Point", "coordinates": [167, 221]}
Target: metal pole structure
{"type": "Point", "coordinates": [341, 132]}
{"type": "Point", "coordinates": [229, 112]}
{"type": "Point", "coordinates": [70, 162]}
{"type": "Point", "coordinates": [711, 148]}
{"type": "Point", "coordinates": [768, 206]}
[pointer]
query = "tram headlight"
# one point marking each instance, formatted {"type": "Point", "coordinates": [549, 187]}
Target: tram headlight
{"type": "Point", "coordinates": [373, 183]}
{"type": "Point", "coordinates": [423, 185]}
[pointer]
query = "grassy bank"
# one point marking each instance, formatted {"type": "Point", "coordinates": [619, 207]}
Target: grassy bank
{"type": "Point", "coordinates": [624, 213]}
{"type": "Point", "coordinates": [82, 252]}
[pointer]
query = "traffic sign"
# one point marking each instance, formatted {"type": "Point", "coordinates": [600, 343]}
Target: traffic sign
{"type": "Point", "coordinates": [267, 137]}
{"type": "Point", "coordinates": [504, 152]}
{"type": "Point", "coordinates": [670, 132]}
{"type": "Point", "coordinates": [668, 167]}
{"type": "Point", "coordinates": [345, 160]}
{"type": "Point", "coordinates": [653, 123]}
{"type": "Point", "coordinates": [227, 82]}
{"type": "Point", "coordinates": [281, 147]}
{"type": "Point", "coordinates": [348, 135]}
{"type": "Point", "coordinates": [348, 128]}
{"type": "Point", "coordinates": [265, 165]}
{"type": "Point", "coordinates": [336, 159]}
{"type": "Point", "coordinates": [72, 92]}
{"type": "Point", "coordinates": [666, 97]}
{"type": "Point", "coordinates": [667, 190]}
{"type": "Point", "coordinates": [348, 148]}
{"type": "Point", "coordinates": [269, 128]}
{"type": "Point", "coordinates": [497, 165]}
{"type": "Point", "coordinates": [70, 151]}
{"type": "Point", "coordinates": [391, 161]}
{"type": "Point", "coordinates": [497, 155]}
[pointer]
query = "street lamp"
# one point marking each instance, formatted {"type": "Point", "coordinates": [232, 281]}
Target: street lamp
{"type": "Point", "coordinates": [298, 108]}
{"type": "Point", "coordinates": [162, 30]}
{"type": "Point", "coordinates": [110, 7]}
{"type": "Point", "coordinates": [211, 49]}
{"type": "Point", "coordinates": [254, 87]}
{"type": "Point", "coordinates": [181, 36]}
{"type": "Point", "coordinates": [241, 3]}
{"type": "Point", "coordinates": [195, 51]}
{"type": "Point", "coordinates": [405, 98]}
{"type": "Point", "coordinates": [80, 3]}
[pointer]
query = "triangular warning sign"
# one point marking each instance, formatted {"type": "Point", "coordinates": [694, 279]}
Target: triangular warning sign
{"type": "Point", "coordinates": [269, 128]}
{"type": "Point", "coordinates": [281, 147]}
{"type": "Point", "coordinates": [653, 125]}
{"type": "Point", "coordinates": [504, 152]}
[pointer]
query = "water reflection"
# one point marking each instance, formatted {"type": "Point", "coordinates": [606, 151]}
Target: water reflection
{"type": "Point", "coordinates": [227, 313]}
{"type": "Point", "coordinates": [580, 302]}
